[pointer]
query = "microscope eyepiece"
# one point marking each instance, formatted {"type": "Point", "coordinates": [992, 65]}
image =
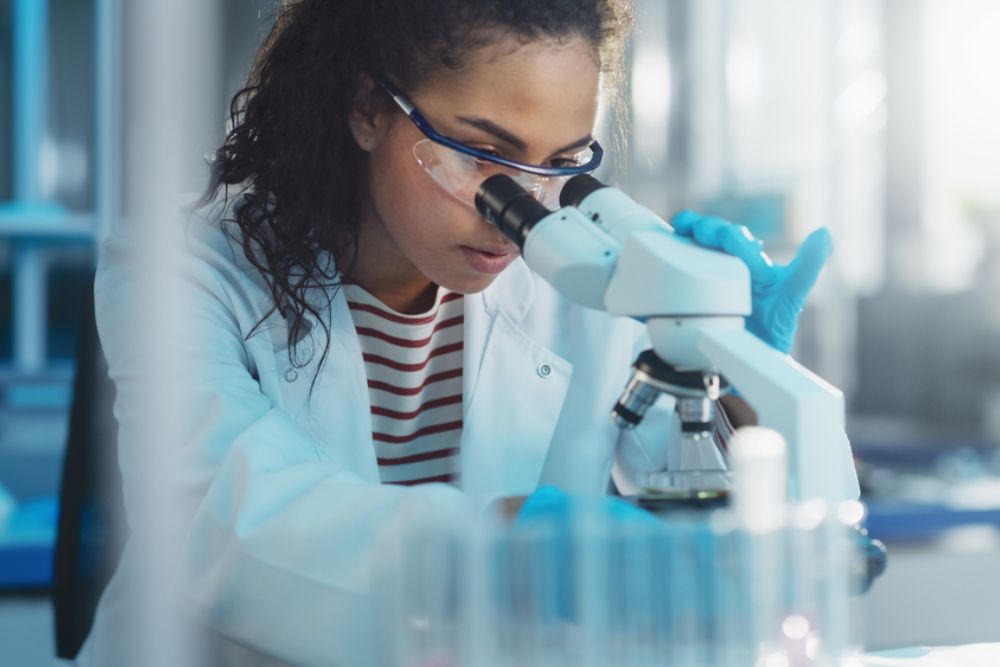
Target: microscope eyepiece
{"type": "Point", "coordinates": [578, 188]}
{"type": "Point", "coordinates": [510, 207]}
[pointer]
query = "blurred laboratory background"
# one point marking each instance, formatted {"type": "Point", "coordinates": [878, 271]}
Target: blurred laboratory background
{"type": "Point", "coordinates": [875, 118]}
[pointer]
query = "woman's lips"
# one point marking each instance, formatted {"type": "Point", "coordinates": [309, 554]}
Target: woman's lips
{"type": "Point", "coordinates": [491, 260]}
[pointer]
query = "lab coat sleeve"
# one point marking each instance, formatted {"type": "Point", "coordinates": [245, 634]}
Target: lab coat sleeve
{"type": "Point", "coordinates": [278, 536]}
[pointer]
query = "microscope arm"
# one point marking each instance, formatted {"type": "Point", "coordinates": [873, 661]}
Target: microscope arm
{"type": "Point", "coordinates": [787, 397]}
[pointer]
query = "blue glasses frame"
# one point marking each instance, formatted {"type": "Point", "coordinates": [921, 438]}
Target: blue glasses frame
{"type": "Point", "coordinates": [418, 119]}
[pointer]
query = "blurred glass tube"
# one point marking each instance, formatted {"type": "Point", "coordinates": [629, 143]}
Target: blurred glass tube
{"type": "Point", "coordinates": [744, 75]}
{"type": "Point", "coordinates": [695, 590]}
{"type": "Point", "coordinates": [29, 111]}
{"type": "Point", "coordinates": [108, 139]}
{"type": "Point", "coordinates": [652, 85]}
{"type": "Point", "coordinates": [165, 78]}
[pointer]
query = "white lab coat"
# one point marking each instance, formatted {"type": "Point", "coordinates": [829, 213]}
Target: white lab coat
{"type": "Point", "coordinates": [280, 492]}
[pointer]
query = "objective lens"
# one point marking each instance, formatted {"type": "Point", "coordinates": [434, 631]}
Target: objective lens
{"type": "Point", "coordinates": [635, 400]}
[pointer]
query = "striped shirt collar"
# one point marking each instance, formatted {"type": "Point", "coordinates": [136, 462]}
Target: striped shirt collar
{"type": "Point", "coordinates": [513, 292]}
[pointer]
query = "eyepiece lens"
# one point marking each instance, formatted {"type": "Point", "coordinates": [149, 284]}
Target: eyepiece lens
{"type": "Point", "coordinates": [578, 188]}
{"type": "Point", "coordinates": [504, 203]}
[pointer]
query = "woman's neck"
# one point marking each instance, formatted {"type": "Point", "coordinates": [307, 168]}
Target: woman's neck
{"type": "Point", "coordinates": [383, 270]}
{"type": "Point", "coordinates": [391, 278]}
{"type": "Point", "coordinates": [408, 298]}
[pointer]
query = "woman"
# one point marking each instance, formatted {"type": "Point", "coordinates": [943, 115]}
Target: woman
{"type": "Point", "coordinates": [361, 344]}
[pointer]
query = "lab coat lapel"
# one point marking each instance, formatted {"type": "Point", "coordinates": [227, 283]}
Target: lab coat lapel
{"type": "Point", "coordinates": [513, 387]}
{"type": "Point", "coordinates": [338, 412]}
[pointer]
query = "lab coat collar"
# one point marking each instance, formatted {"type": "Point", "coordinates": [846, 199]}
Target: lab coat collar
{"type": "Point", "coordinates": [513, 292]}
{"type": "Point", "coordinates": [514, 389]}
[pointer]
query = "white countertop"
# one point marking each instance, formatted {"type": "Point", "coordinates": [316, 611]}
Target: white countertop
{"type": "Point", "coordinates": [968, 655]}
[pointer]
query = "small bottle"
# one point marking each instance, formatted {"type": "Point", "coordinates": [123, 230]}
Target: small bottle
{"type": "Point", "coordinates": [760, 478]}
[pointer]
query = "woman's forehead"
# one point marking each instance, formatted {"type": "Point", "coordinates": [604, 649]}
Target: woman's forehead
{"type": "Point", "coordinates": [543, 90]}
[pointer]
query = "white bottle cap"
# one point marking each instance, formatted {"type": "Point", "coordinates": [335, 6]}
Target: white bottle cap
{"type": "Point", "coordinates": [760, 477]}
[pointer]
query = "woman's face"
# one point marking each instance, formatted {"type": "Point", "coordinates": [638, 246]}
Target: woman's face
{"type": "Point", "coordinates": [522, 101]}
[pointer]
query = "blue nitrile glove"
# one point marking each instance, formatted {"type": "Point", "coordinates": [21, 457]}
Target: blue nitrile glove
{"type": "Point", "coordinates": [551, 511]}
{"type": "Point", "coordinates": [551, 504]}
{"type": "Point", "coordinates": [875, 557]}
{"type": "Point", "coordinates": [778, 292]}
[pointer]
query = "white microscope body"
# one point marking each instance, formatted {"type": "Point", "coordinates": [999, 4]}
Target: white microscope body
{"type": "Point", "coordinates": [604, 251]}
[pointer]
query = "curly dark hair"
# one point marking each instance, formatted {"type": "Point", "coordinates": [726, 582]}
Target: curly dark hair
{"type": "Point", "coordinates": [290, 156]}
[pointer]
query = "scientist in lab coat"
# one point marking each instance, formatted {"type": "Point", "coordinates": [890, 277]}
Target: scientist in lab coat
{"type": "Point", "coordinates": [340, 247]}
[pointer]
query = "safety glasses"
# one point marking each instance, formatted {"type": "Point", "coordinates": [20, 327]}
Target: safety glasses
{"type": "Point", "coordinates": [460, 169]}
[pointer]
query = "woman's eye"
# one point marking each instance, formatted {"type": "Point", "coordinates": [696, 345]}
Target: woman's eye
{"type": "Point", "coordinates": [565, 162]}
{"type": "Point", "coordinates": [486, 150]}
{"type": "Point", "coordinates": [486, 165]}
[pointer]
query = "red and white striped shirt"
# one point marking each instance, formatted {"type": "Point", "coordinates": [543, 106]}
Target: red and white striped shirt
{"type": "Point", "coordinates": [414, 368]}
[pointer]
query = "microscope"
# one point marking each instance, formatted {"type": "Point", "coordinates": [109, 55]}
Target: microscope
{"type": "Point", "coordinates": [602, 250]}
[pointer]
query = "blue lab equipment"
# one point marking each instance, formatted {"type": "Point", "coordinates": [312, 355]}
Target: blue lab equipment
{"type": "Point", "coordinates": [552, 510]}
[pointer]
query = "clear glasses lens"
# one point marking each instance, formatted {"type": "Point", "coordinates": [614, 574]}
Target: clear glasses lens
{"type": "Point", "coordinates": [460, 175]}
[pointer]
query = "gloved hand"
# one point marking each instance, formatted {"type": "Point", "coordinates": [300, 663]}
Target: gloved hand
{"type": "Point", "coordinates": [875, 557]}
{"type": "Point", "coordinates": [778, 292]}
{"type": "Point", "coordinates": [552, 505]}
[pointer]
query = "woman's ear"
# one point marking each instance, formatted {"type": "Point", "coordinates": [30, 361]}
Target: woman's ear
{"type": "Point", "coordinates": [367, 118]}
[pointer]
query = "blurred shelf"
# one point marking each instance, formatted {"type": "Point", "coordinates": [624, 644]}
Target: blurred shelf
{"type": "Point", "coordinates": [27, 542]}
{"type": "Point", "coordinates": [896, 521]}
{"type": "Point", "coordinates": [48, 224]}
{"type": "Point", "coordinates": [912, 453]}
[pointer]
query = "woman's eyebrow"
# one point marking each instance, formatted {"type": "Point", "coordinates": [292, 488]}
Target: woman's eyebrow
{"type": "Point", "coordinates": [490, 127]}
{"type": "Point", "coordinates": [506, 136]}
{"type": "Point", "coordinates": [582, 142]}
